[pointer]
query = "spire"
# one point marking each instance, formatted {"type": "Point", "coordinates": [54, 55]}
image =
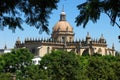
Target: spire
{"type": "Point", "coordinates": [101, 36]}
{"type": "Point", "coordinates": [88, 38]}
{"type": "Point", "coordinates": [5, 47]}
{"type": "Point", "coordinates": [18, 39]}
{"type": "Point", "coordinates": [88, 35]}
{"type": "Point", "coordinates": [63, 15]}
{"type": "Point", "coordinates": [102, 40]}
{"type": "Point", "coordinates": [113, 47]}
{"type": "Point", "coordinates": [63, 8]}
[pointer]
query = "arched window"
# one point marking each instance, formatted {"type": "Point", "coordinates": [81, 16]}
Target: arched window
{"type": "Point", "coordinates": [48, 49]}
{"type": "Point", "coordinates": [70, 39]}
{"type": "Point", "coordinates": [67, 29]}
{"type": "Point", "coordinates": [110, 53]}
{"type": "Point", "coordinates": [99, 50]}
{"type": "Point", "coordinates": [58, 29]}
{"type": "Point", "coordinates": [85, 52]}
{"type": "Point", "coordinates": [33, 50]}
{"type": "Point", "coordinates": [63, 39]}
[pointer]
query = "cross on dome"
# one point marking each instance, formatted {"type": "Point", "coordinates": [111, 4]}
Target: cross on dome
{"type": "Point", "coordinates": [63, 8]}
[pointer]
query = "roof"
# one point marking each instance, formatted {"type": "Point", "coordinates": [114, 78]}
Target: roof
{"type": "Point", "coordinates": [62, 26]}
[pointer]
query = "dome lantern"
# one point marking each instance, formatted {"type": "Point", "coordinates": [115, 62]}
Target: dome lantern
{"type": "Point", "coordinates": [63, 15]}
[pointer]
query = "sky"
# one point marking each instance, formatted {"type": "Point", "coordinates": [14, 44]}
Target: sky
{"type": "Point", "coordinates": [103, 26]}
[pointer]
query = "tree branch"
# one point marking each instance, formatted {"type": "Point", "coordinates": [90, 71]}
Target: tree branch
{"type": "Point", "coordinates": [112, 20]}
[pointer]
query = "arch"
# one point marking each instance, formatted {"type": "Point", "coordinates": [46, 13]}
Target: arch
{"type": "Point", "coordinates": [99, 50]}
{"type": "Point", "coordinates": [67, 28]}
{"type": "Point", "coordinates": [70, 39]}
{"type": "Point", "coordinates": [85, 52]}
{"type": "Point", "coordinates": [33, 50]}
{"type": "Point", "coordinates": [110, 53]}
{"type": "Point", "coordinates": [63, 39]}
{"type": "Point", "coordinates": [48, 49]}
{"type": "Point", "coordinates": [58, 29]}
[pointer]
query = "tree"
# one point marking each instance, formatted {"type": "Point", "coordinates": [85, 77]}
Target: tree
{"type": "Point", "coordinates": [99, 69]}
{"type": "Point", "coordinates": [16, 60]}
{"type": "Point", "coordinates": [5, 76]}
{"type": "Point", "coordinates": [96, 54]}
{"type": "Point", "coordinates": [61, 65]}
{"type": "Point", "coordinates": [31, 72]}
{"type": "Point", "coordinates": [116, 68]}
{"type": "Point", "coordinates": [35, 13]}
{"type": "Point", "coordinates": [92, 9]}
{"type": "Point", "coordinates": [117, 53]}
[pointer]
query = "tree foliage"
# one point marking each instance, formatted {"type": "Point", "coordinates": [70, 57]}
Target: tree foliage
{"type": "Point", "coordinates": [68, 66]}
{"type": "Point", "coordinates": [31, 72]}
{"type": "Point", "coordinates": [5, 76]}
{"type": "Point", "coordinates": [16, 60]}
{"type": "Point", "coordinates": [33, 12]}
{"type": "Point", "coordinates": [61, 65]}
{"type": "Point", "coordinates": [92, 9]}
{"type": "Point", "coordinates": [14, 13]}
{"type": "Point", "coordinates": [99, 69]}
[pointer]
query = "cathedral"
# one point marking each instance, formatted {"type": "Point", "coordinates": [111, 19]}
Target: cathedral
{"type": "Point", "coordinates": [62, 38]}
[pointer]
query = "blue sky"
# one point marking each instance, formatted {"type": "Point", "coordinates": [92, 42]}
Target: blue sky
{"type": "Point", "coordinates": [101, 27]}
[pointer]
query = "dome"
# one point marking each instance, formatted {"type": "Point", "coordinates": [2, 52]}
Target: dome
{"type": "Point", "coordinates": [62, 30]}
{"type": "Point", "coordinates": [62, 26]}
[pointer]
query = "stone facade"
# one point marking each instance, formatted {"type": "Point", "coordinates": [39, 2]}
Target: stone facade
{"type": "Point", "coordinates": [62, 38]}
